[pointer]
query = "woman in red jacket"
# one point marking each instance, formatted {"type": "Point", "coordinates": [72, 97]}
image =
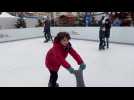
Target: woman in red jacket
{"type": "Point", "coordinates": [56, 57]}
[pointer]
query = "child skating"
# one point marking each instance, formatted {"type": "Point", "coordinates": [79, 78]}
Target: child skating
{"type": "Point", "coordinates": [56, 57]}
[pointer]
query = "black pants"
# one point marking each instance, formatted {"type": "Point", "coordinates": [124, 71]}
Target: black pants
{"type": "Point", "coordinates": [107, 36]}
{"type": "Point", "coordinates": [102, 43]}
{"type": "Point", "coordinates": [53, 78]}
{"type": "Point", "coordinates": [48, 36]}
{"type": "Point", "coordinates": [107, 42]}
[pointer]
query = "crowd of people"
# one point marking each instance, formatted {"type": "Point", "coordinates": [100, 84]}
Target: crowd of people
{"type": "Point", "coordinates": [122, 19]}
{"type": "Point", "coordinates": [117, 19]}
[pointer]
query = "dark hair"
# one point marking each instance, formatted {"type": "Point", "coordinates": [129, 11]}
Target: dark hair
{"type": "Point", "coordinates": [62, 35]}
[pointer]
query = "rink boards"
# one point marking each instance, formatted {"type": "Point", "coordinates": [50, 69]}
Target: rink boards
{"type": "Point", "coordinates": [118, 34]}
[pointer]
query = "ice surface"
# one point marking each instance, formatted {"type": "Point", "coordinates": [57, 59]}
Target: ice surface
{"type": "Point", "coordinates": [22, 64]}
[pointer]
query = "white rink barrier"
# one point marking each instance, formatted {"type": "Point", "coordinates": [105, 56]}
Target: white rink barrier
{"type": "Point", "coordinates": [118, 34]}
{"type": "Point", "coordinates": [123, 35]}
{"type": "Point", "coordinates": [19, 34]}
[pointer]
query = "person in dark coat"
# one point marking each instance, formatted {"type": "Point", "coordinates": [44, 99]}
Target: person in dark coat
{"type": "Point", "coordinates": [101, 20]}
{"type": "Point", "coordinates": [47, 33]}
{"type": "Point", "coordinates": [102, 33]}
{"type": "Point", "coordinates": [102, 37]}
{"type": "Point", "coordinates": [107, 31]}
{"type": "Point", "coordinates": [56, 57]}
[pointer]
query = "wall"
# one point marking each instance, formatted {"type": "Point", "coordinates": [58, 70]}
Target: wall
{"type": "Point", "coordinates": [18, 34]}
{"type": "Point", "coordinates": [118, 34]}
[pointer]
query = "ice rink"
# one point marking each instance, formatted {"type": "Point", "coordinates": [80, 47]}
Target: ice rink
{"type": "Point", "coordinates": [22, 64]}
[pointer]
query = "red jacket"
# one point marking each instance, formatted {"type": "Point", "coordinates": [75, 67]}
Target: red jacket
{"type": "Point", "coordinates": [57, 54]}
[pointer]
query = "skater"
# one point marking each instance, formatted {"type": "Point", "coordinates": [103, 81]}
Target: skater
{"type": "Point", "coordinates": [102, 37]}
{"type": "Point", "coordinates": [56, 57]}
{"type": "Point", "coordinates": [46, 31]}
{"type": "Point", "coordinates": [107, 31]}
{"type": "Point", "coordinates": [101, 21]}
